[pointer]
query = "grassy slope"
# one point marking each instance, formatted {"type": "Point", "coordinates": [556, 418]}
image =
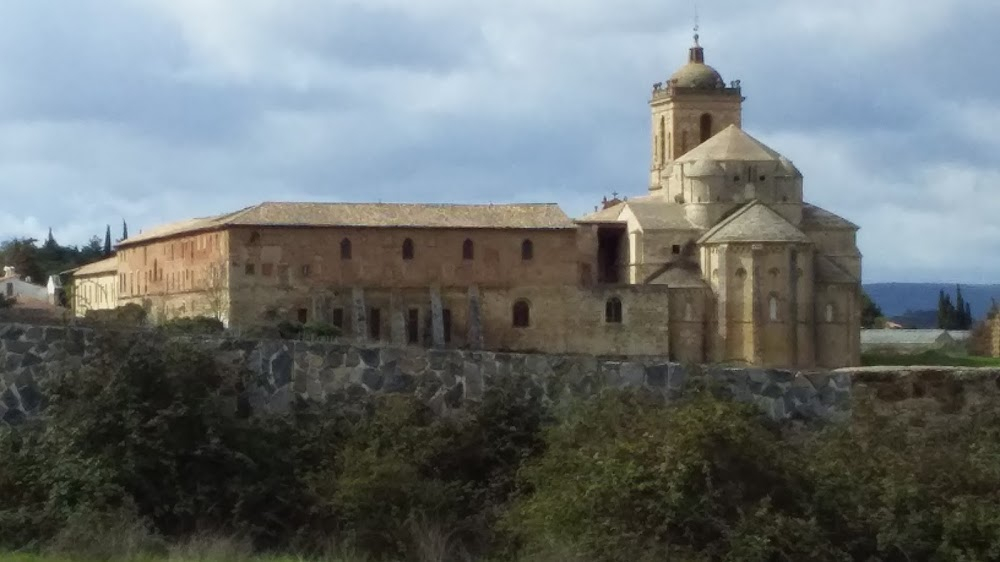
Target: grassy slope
{"type": "Point", "coordinates": [929, 358]}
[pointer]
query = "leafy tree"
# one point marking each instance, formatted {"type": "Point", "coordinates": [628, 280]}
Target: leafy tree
{"type": "Point", "coordinates": [871, 313]}
{"type": "Point", "coordinates": [23, 255]}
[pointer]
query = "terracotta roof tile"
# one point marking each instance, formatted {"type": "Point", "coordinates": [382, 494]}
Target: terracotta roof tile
{"type": "Point", "coordinates": [107, 265]}
{"type": "Point", "coordinates": [511, 216]}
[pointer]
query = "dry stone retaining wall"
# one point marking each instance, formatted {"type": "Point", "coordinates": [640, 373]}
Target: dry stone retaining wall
{"type": "Point", "coordinates": [445, 379]}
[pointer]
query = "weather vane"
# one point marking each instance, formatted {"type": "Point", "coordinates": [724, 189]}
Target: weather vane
{"type": "Point", "coordinates": [696, 23]}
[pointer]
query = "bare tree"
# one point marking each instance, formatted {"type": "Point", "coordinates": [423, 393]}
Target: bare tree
{"type": "Point", "coordinates": [216, 289]}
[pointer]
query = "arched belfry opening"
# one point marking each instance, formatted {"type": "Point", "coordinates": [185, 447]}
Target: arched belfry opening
{"type": "Point", "coordinates": [705, 126]}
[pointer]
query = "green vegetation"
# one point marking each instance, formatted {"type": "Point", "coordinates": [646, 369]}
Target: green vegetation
{"type": "Point", "coordinates": [957, 316]}
{"type": "Point", "coordinates": [928, 358]}
{"type": "Point", "coordinates": [142, 456]}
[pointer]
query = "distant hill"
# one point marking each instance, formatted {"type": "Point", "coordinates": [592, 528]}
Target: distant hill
{"type": "Point", "coordinates": [897, 299]}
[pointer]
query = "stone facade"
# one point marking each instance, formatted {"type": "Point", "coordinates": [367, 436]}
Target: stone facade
{"type": "Point", "coordinates": [722, 262]}
{"type": "Point", "coordinates": [445, 379]}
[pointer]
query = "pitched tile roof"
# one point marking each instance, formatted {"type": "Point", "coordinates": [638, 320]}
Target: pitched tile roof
{"type": "Point", "coordinates": [681, 276]}
{"type": "Point", "coordinates": [815, 218]}
{"type": "Point", "coordinates": [873, 337]}
{"type": "Point", "coordinates": [107, 265]}
{"type": "Point", "coordinates": [754, 222]}
{"type": "Point", "coordinates": [534, 216]}
{"type": "Point", "coordinates": [651, 212]}
{"type": "Point", "coordinates": [731, 143]}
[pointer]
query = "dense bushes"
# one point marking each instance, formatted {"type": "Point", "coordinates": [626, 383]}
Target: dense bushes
{"type": "Point", "coordinates": [195, 325]}
{"type": "Point", "coordinates": [149, 445]}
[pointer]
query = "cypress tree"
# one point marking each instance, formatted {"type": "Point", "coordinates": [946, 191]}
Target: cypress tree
{"type": "Point", "coordinates": [968, 316]}
{"type": "Point", "coordinates": [944, 303]}
{"type": "Point", "coordinates": [107, 242]}
{"type": "Point", "coordinates": [124, 230]}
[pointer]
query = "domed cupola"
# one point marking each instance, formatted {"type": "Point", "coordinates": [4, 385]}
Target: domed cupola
{"type": "Point", "coordinates": [696, 74]}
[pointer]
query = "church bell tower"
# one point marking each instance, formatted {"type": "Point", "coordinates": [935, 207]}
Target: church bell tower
{"type": "Point", "coordinates": [688, 109]}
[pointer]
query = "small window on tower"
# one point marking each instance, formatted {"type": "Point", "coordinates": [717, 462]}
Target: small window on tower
{"type": "Point", "coordinates": [675, 249]}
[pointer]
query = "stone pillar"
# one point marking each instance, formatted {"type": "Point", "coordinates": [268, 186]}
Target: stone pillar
{"type": "Point", "coordinates": [397, 318]}
{"type": "Point", "coordinates": [360, 314]}
{"type": "Point", "coordinates": [756, 300]}
{"type": "Point", "coordinates": [721, 305]}
{"type": "Point", "coordinates": [793, 307]}
{"type": "Point", "coordinates": [437, 317]}
{"type": "Point", "coordinates": [475, 327]}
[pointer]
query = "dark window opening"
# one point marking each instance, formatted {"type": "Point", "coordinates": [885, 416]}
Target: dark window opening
{"type": "Point", "coordinates": [338, 317]}
{"type": "Point", "coordinates": [412, 326]}
{"type": "Point", "coordinates": [249, 269]}
{"type": "Point", "coordinates": [446, 324]}
{"type": "Point", "coordinates": [527, 250]}
{"type": "Point", "coordinates": [303, 315]}
{"type": "Point", "coordinates": [762, 178]}
{"type": "Point", "coordinates": [736, 178]}
{"type": "Point", "coordinates": [254, 238]}
{"type": "Point", "coordinates": [522, 314]}
{"type": "Point", "coordinates": [613, 311]}
{"type": "Point", "coordinates": [345, 249]}
{"type": "Point", "coordinates": [675, 249]}
{"type": "Point", "coordinates": [407, 249]}
{"type": "Point", "coordinates": [706, 127]}
{"type": "Point", "coordinates": [375, 324]}
{"type": "Point", "coordinates": [306, 270]}
{"type": "Point", "coordinates": [609, 248]}
{"type": "Point", "coordinates": [467, 250]}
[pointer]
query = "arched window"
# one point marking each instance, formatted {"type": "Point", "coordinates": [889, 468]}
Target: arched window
{"type": "Point", "coordinates": [829, 312]}
{"type": "Point", "coordinates": [345, 249]}
{"type": "Point", "coordinates": [741, 274]}
{"type": "Point", "coordinates": [468, 250]}
{"type": "Point", "coordinates": [521, 313]}
{"type": "Point", "coordinates": [772, 308]}
{"type": "Point", "coordinates": [527, 250]}
{"type": "Point", "coordinates": [706, 127]}
{"type": "Point", "coordinates": [407, 249]}
{"type": "Point", "coordinates": [613, 311]}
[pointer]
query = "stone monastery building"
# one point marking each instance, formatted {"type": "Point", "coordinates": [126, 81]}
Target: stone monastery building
{"type": "Point", "coordinates": [721, 261]}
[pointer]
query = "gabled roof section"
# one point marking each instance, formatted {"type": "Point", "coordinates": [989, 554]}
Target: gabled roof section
{"type": "Point", "coordinates": [827, 271]}
{"type": "Point", "coordinates": [754, 222]}
{"type": "Point", "coordinates": [650, 212]}
{"type": "Point", "coordinates": [731, 143]}
{"type": "Point", "coordinates": [611, 214]}
{"type": "Point", "coordinates": [815, 218]}
{"type": "Point", "coordinates": [533, 216]}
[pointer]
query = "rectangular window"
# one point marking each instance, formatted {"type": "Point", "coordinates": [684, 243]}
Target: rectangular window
{"type": "Point", "coordinates": [412, 324]}
{"type": "Point", "coordinates": [375, 323]}
{"type": "Point", "coordinates": [675, 249]}
{"type": "Point", "coordinates": [266, 269]}
{"type": "Point", "coordinates": [249, 269]}
{"type": "Point", "coordinates": [338, 317]}
{"type": "Point", "coordinates": [446, 321]}
{"type": "Point", "coordinates": [303, 315]}
{"type": "Point", "coordinates": [10, 289]}
{"type": "Point", "coordinates": [306, 270]}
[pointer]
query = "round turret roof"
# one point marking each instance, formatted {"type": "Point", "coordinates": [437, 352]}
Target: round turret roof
{"type": "Point", "coordinates": [704, 168]}
{"type": "Point", "coordinates": [697, 75]}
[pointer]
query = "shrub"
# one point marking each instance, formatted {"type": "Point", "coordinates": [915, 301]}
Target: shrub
{"type": "Point", "coordinates": [7, 302]}
{"type": "Point", "coordinates": [627, 477]}
{"type": "Point", "coordinates": [196, 325]}
{"type": "Point", "coordinates": [130, 315]}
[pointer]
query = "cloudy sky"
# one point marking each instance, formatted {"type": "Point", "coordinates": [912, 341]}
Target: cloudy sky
{"type": "Point", "coordinates": [159, 110]}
